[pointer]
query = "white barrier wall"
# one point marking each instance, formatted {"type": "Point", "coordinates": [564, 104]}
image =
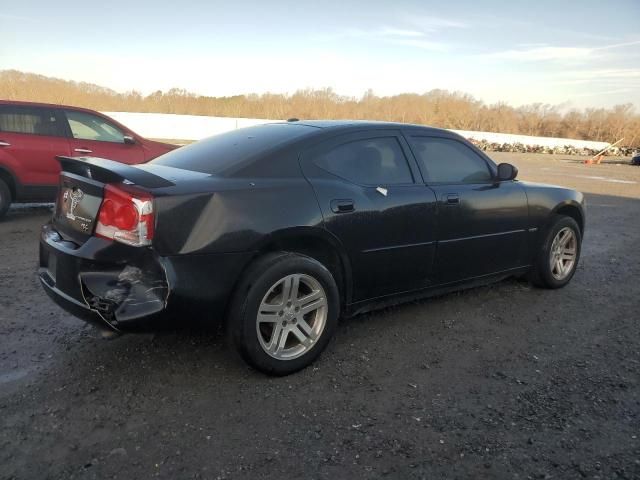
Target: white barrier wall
{"type": "Point", "coordinates": [510, 138]}
{"type": "Point", "coordinates": [181, 127]}
{"type": "Point", "coordinates": [195, 127]}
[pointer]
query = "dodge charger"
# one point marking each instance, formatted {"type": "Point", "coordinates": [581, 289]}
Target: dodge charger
{"type": "Point", "coordinates": [277, 231]}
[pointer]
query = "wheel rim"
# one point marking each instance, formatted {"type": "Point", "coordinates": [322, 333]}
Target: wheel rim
{"type": "Point", "coordinates": [564, 249]}
{"type": "Point", "coordinates": [291, 316]}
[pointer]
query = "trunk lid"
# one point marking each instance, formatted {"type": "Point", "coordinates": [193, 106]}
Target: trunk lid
{"type": "Point", "coordinates": [81, 192]}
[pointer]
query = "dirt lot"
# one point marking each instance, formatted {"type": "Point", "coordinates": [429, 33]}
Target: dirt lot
{"type": "Point", "coordinates": [505, 381]}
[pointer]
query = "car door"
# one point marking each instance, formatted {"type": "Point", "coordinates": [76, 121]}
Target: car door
{"type": "Point", "coordinates": [93, 135]}
{"type": "Point", "coordinates": [30, 139]}
{"type": "Point", "coordinates": [482, 222]}
{"type": "Point", "coordinates": [372, 201]}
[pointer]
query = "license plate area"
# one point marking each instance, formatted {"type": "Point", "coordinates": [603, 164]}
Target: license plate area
{"type": "Point", "coordinates": [77, 206]}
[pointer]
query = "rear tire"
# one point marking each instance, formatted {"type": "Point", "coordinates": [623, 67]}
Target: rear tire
{"type": "Point", "coordinates": [283, 313]}
{"type": "Point", "coordinates": [5, 198]}
{"type": "Point", "coordinates": [559, 254]}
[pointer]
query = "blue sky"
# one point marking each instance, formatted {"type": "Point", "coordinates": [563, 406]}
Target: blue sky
{"type": "Point", "coordinates": [574, 53]}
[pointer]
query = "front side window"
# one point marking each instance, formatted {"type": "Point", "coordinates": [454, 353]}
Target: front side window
{"type": "Point", "coordinates": [374, 161]}
{"type": "Point", "coordinates": [444, 160]}
{"type": "Point", "coordinates": [85, 126]}
{"type": "Point", "coordinates": [34, 121]}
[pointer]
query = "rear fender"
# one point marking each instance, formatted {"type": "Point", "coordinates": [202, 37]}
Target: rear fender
{"type": "Point", "coordinates": [309, 240]}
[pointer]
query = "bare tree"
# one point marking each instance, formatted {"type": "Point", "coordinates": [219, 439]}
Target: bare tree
{"type": "Point", "coordinates": [439, 108]}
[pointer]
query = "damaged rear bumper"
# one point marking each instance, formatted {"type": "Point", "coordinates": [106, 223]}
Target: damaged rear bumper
{"type": "Point", "coordinates": [119, 288]}
{"type": "Point", "coordinates": [113, 287]}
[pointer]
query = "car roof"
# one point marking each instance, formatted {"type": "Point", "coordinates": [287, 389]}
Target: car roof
{"type": "Point", "coordinates": [42, 104]}
{"type": "Point", "coordinates": [361, 124]}
{"type": "Point", "coordinates": [67, 107]}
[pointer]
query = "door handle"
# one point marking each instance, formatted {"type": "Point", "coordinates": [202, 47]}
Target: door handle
{"type": "Point", "coordinates": [342, 206]}
{"type": "Point", "coordinates": [82, 150]}
{"type": "Point", "coordinates": [4, 144]}
{"type": "Point", "coordinates": [453, 199]}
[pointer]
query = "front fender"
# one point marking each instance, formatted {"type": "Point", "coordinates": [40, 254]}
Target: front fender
{"type": "Point", "coordinates": [576, 205]}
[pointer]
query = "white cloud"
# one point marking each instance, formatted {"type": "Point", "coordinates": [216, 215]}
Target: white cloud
{"type": "Point", "coordinates": [422, 44]}
{"type": "Point", "coordinates": [617, 73]}
{"type": "Point", "coordinates": [383, 32]}
{"type": "Point", "coordinates": [541, 53]}
{"type": "Point", "coordinates": [618, 45]}
{"type": "Point", "coordinates": [551, 53]}
{"type": "Point", "coordinates": [602, 93]}
{"type": "Point", "coordinates": [433, 24]}
{"type": "Point", "coordinates": [532, 45]}
{"type": "Point", "coordinates": [391, 35]}
{"type": "Point", "coordinates": [399, 32]}
{"type": "Point", "coordinates": [621, 77]}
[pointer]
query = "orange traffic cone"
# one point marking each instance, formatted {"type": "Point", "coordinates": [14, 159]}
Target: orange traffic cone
{"type": "Point", "coordinates": [594, 160]}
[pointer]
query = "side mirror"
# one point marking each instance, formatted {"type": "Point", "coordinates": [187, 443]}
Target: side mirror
{"type": "Point", "coordinates": [129, 140]}
{"type": "Point", "coordinates": [507, 172]}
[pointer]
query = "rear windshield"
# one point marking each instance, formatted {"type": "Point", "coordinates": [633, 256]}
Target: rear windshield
{"type": "Point", "coordinates": [225, 153]}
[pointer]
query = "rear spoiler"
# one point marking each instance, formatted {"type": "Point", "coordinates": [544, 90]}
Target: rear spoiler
{"type": "Point", "coordinates": [108, 171]}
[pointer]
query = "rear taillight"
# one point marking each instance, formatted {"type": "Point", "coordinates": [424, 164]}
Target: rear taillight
{"type": "Point", "coordinates": [126, 215]}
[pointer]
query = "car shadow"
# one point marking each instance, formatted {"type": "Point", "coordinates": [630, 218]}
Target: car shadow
{"type": "Point", "coordinates": [186, 356]}
{"type": "Point", "coordinates": [26, 210]}
{"type": "Point", "coordinates": [605, 161]}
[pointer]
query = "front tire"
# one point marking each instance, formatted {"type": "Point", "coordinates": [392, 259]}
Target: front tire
{"type": "Point", "coordinates": [558, 256]}
{"type": "Point", "coordinates": [5, 198]}
{"type": "Point", "coordinates": [284, 312]}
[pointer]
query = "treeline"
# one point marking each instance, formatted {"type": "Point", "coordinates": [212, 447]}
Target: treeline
{"type": "Point", "coordinates": [439, 108]}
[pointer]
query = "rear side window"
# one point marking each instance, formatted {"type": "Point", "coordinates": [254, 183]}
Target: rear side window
{"type": "Point", "coordinates": [374, 161]}
{"type": "Point", "coordinates": [228, 153]}
{"type": "Point", "coordinates": [33, 121]}
{"type": "Point", "coordinates": [443, 160]}
{"type": "Point", "coordinates": [85, 126]}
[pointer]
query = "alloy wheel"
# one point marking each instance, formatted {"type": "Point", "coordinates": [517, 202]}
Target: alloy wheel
{"type": "Point", "coordinates": [292, 316]}
{"type": "Point", "coordinates": [562, 257]}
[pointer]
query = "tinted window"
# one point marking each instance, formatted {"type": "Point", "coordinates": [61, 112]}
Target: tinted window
{"type": "Point", "coordinates": [448, 161]}
{"type": "Point", "coordinates": [375, 161]}
{"type": "Point", "coordinates": [85, 126]}
{"type": "Point", "coordinates": [226, 153]}
{"type": "Point", "coordinates": [34, 121]}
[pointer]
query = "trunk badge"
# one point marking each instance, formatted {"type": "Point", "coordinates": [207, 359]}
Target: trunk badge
{"type": "Point", "coordinates": [382, 191]}
{"type": "Point", "coordinates": [76, 195]}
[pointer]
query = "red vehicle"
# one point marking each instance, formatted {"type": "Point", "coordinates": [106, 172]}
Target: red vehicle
{"type": "Point", "coordinates": [32, 134]}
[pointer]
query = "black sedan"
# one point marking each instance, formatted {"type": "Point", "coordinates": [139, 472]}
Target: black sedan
{"type": "Point", "coordinates": [278, 230]}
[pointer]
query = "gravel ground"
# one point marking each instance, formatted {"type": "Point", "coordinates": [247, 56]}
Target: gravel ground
{"type": "Point", "coordinates": [505, 381]}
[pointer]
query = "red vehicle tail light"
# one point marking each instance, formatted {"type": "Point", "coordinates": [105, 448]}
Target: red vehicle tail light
{"type": "Point", "coordinates": [126, 216]}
